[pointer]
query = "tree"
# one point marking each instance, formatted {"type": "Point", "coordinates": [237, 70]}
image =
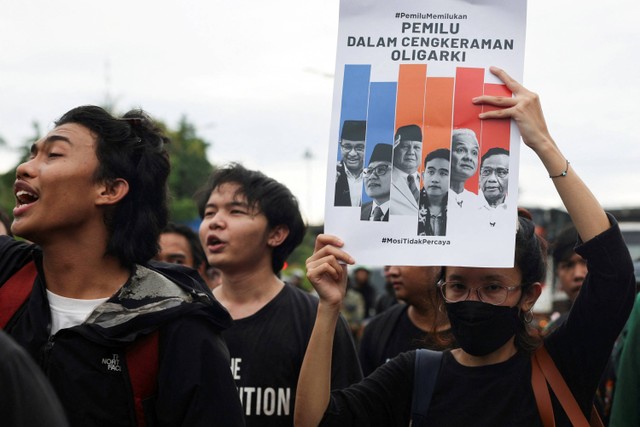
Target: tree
{"type": "Point", "coordinates": [189, 170]}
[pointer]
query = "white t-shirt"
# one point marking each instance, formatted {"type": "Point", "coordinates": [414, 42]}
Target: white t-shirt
{"type": "Point", "coordinates": [68, 312]}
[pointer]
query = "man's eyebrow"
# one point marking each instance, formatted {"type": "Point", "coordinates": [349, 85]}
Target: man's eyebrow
{"type": "Point", "coordinates": [232, 203]}
{"type": "Point", "coordinates": [50, 140]}
{"type": "Point", "coordinates": [53, 138]}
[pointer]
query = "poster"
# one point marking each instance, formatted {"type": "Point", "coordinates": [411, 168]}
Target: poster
{"type": "Point", "coordinates": [414, 177]}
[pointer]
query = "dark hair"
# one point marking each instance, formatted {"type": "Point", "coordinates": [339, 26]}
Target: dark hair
{"type": "Point", "coordinates": [531, 260]}
{"type": "Point", "coordinates": [494, 151]}
{"type": "Point", "coordinates": [6, 221]}
{"type": "Point", "coordinates": [197, 252]}
{"type": "Point", "coordinates": [361, 268]}
{"type": "Point", "coordinates": [435, 339]}
{"type": "Point", "coordinates": [131, 148]}
{"type": "Point", "coordinates": [564, 245]}
{"type": "Point", "coordinates": [270, 197]}
{"type": "Point", "coordinates": [409, 133]}
{"type": "Point", "coordinates": [440, 153]}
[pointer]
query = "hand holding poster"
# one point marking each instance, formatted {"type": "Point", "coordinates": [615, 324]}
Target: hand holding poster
{"type": "Point", "coordinates": [414, 176]}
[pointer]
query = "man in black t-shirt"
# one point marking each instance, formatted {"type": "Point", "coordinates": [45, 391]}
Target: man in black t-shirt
{"type": "Point", "coordinates": [362, 285]}
{"type": "Point", "coordinates": [250, 225]}
{"type": "Point", "coordinates": [418, 323]}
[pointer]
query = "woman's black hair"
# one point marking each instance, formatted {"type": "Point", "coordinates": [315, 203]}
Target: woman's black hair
{"type": "Point", "coordinates": [131, 148]}
{"type": "Point", "coordinates": [531, 260]}
{"type": "Point", "coordinates": [270, 197]}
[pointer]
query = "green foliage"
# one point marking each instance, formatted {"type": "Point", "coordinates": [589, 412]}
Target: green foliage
{"type": "Point", "coordinates": [7, 199]}
{"type": "Point", "coordinates": [298, 257]}
{"type": "Point", "coordinates": [189, 169]}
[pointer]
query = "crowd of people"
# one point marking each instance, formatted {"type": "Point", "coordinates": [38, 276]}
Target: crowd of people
{"type": "Point", "coordinates": [113, 315]}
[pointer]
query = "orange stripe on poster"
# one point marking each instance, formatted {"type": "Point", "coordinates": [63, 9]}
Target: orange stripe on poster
{"type": "Point", "coordinates": [495, 133]}
{"type": "Point", "coordinates": [438, 115]}
{"type": "Point", "coordinates": [469, 84]}
{"type": "Point", "coordinates": [410, 101]}
{"type": "Point", "coordinates": [412, 79]}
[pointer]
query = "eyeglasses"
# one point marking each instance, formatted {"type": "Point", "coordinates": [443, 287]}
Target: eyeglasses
{"type": "Point", "coordinates": [348, 147]}
{"type": "Point", "coordinates": [492, 293]}
{"type": "Point", "coordinates": [380, 170]}
{"type": "Point", "coordinates": [500, 172]}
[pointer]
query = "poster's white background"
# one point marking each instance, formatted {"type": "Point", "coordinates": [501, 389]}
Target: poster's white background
{"type": "Point", "coordinates": [394, 242]}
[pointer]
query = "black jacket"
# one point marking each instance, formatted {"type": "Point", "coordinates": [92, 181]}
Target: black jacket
{"type": "Point", "coordinates": [86, 364]}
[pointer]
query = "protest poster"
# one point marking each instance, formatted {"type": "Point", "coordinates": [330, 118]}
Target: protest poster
{"type": "Point", "coordinates": [414, 177]}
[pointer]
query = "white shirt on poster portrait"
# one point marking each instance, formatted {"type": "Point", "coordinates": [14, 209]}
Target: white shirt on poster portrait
{"type": "Point", "coordinates": [403, 201]}
{"type": "Point", "coordinates": [355, 187]}
{"type": "Point", "coordinates": [384, 207]}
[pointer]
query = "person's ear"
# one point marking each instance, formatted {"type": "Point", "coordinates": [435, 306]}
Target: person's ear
{"type": "Point", "coordinates": [112, 191]}
{"type": "Point", "coordinates": [530, 297]}
{"type": "Point", "coordinates": [277, 235]}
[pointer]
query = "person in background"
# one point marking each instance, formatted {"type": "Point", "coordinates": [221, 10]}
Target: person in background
{"type": "Point", "coordinates": [353, 311]}
{"type": "Point", "coordinates": [213, 277]}
{"type": "Point", "coordinates": [388, 298]}
{"type": "Point", "coordinates": [625, 410]}
{"type": "Point", "coordinates": [179, 244]}
{"type": "Point", "coordinates": [250, 225]}
{"type": "Point", "coordinates": [362, 285]}
{"type": "Point", "coordinates": [570, 274]}
{"type": "Point", "coordinates": [92, 196]}
{"type": "Point", "coordinates": [570, 271]}
{"type": "Point", "coordinates": [418, 323]}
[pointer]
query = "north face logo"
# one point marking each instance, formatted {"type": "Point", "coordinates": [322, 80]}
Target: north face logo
{"type": "Point", "coordinates": [112, 364]}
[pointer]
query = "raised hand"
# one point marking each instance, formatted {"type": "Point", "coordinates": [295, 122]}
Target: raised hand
{"type": "Point", "coordinates": [327, 269]}
{"type": "Point", "coordinates": [524, 108]}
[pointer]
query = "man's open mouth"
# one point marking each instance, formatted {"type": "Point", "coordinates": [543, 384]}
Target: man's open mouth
{"type": "Point", "coordinates": [24, 197]}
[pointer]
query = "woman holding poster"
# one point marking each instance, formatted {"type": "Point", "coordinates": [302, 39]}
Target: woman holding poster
{"type": "Point", "coordinates": [486, 382]}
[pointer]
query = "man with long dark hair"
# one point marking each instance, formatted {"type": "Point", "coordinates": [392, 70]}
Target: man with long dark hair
{"type": "Point", "coordinates": [92, 196]}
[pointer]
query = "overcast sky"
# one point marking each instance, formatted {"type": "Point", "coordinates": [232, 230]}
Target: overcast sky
{"type": "Point", "coordinates": [256, 80]}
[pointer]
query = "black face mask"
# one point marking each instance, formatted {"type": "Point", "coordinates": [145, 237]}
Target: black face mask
{"type": "Point", "coordinates": [481, 328]}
